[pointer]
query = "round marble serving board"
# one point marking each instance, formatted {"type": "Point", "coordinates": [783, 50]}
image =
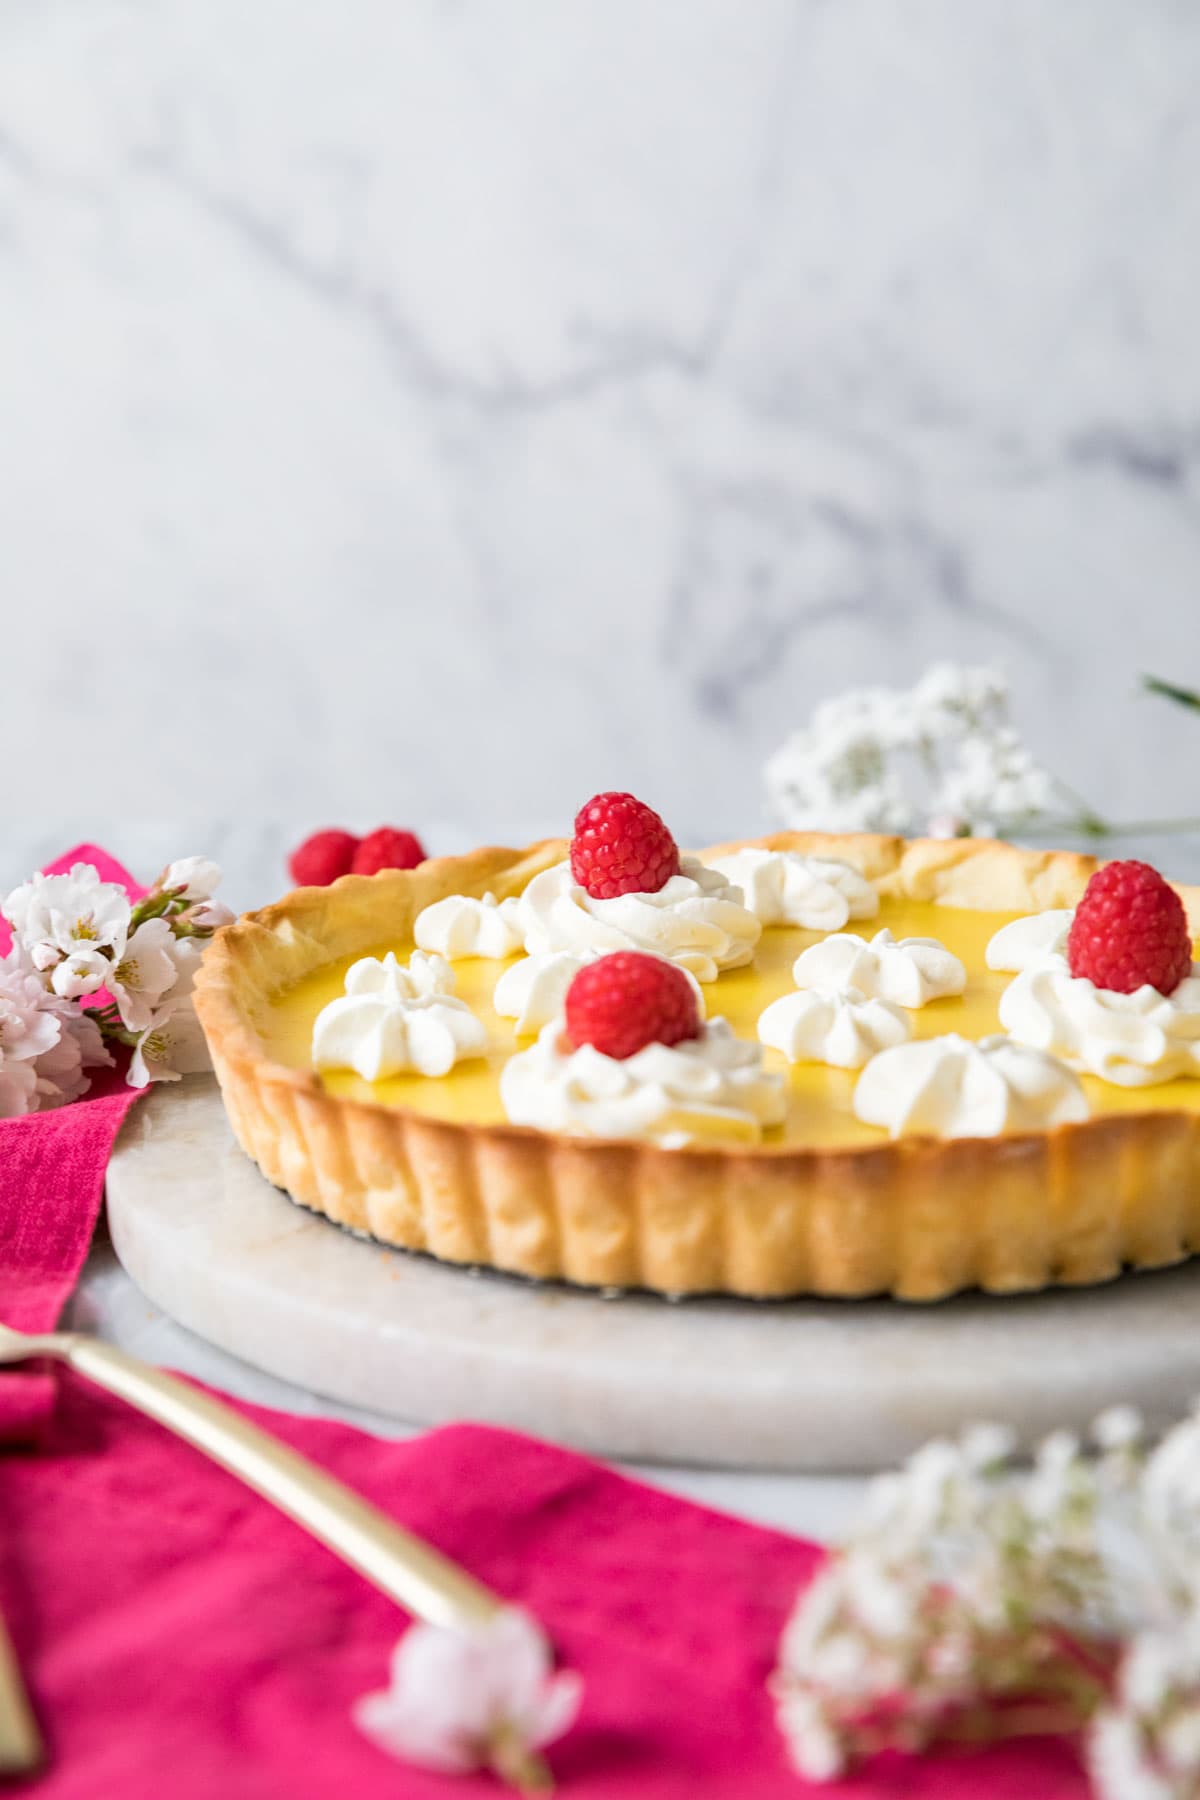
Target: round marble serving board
{"type": "Point", "coordinates": [802, 1385]}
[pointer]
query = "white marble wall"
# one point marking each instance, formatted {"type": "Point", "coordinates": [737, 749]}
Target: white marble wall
{"type": "Point", "coordinates": [422, 409]}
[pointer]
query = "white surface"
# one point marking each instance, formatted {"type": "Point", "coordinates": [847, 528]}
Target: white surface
{"type": "Point", "coordinates": [805, 1385]}
{"type": "Point", "coordinates": [422, 408]}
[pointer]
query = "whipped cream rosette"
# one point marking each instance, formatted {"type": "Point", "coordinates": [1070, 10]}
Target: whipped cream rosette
{"type": "Point", "coordinates": [713, 1085]}
{"type": "Point", "coordinates": [905, 972]}
{"type": "Point", "coordinates": [952, 1086]}
{"type": "Point", "coordinates": [696, 919]}
{"type": "Point", "coordinates": [392, 1020]}
{"type": "Point", "coordinates": [843, 1028]}
{"type": "Point", "coordinates": [1131, 1040]}
{"type": "Point", "coordinates": [781, 887]}
{"type": "Point", "coordinates": [1022, 943]}
{"type": "Point", "coordinates": [461, 926]}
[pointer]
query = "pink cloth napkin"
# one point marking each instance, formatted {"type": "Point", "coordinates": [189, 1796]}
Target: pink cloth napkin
{"type": "Point", "coordinates": [181, 1637]}
{"type": "Point", "coordinates": [51, 1181]}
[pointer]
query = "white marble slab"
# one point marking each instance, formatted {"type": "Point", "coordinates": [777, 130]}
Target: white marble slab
{"type": "Point", "coordinates": [802, 1386]}
{"type": "Point", "coordinates": [420, 409]}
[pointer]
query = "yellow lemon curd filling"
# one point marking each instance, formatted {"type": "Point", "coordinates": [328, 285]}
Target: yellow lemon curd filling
{"type": "Point", "coordinates": [819, 1098]}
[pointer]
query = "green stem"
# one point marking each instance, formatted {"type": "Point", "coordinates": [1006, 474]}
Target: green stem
{"type": "Point", "coordinates": [1154, 684]}
{"type": "Point", "coordinates": [1095, 827]}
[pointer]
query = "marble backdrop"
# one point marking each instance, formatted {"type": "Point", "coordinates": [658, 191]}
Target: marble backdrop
{"type": "Point", "coordinates": [442, 408]}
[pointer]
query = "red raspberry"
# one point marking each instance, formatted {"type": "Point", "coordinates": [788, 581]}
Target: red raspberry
{"type": "Point", "coordinates": [388, 848]}
{"type": "Point", "coordinates": [1130, 930]}
{"type": "Point", "coordinates": [322, 857]}
{"type": "Point", "coordinates": [620, 1003]}
{"type": "Point", "coordinates": [621, 846]}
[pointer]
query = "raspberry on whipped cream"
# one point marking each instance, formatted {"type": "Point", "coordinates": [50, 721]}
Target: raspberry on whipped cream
{"type": "Point", "coordinates": [695, 919]}
{"type": "Point", "coordinates": [621, 846]}
{"type": "Point", "coordinates": [1130, 931]}
{"type": "Point", "coordinates": [1130, 1040]}
{"type": "Point", "coordinates": [392, 1020]}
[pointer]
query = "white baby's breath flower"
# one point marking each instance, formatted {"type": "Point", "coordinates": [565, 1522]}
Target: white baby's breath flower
{"type": "Point", "coordinates": [812, 1742]}
{"type": "Point", "coordinates": [1147, 1741]}
{"type": "Point", "coordinates": [473, 1698]}
{"type": "Point", "coordinates": [882, 759]}
{"type": "Point", "coordinates": [986, 1447]}
{"type": "Point", "coordinates": [146, 971]}
{"type": "Point", "coordinates": [1119, 1765]}
{"type": "Point", "coordinates": [190, 877]}
{"type": "Point", "coordinates": [1118, 1428]}
{"type": "Point", "coordinates": [71, 915]}
{"type": "Point", "coordinates": [171, 1045]}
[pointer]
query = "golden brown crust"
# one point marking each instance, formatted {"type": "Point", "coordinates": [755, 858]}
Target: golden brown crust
{"type": "Point", "coordinates": [918, 1218]}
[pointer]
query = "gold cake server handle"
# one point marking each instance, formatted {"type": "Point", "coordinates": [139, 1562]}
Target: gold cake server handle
{"type": "Point", "coordinates": [418, 1577]}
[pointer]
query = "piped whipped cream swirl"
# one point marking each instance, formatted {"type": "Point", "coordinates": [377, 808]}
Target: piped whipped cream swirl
{"type": "Point", "coordinates": [534, 990]}
{"type": "Point", "coordinates": [696, 919]}
{"type": "Point", "coordinates": [1131, 1040]}
{"type": "Point", "coordinates": [1024, 942]}
{"type": "Point", "coordinates": [713, 1086]}
{"type": "Point", "coordinates": [781, 887]}
{"type": "Point", "coordinates": [905, 971]}
{"type": "Point", "coordinates": [392, 1020]}
{"type": "Point", "coordinates": [952, 1087]}
{"type": "Point", "coordinates": [461, 925]}
{"type": "Point", "coordinates": [843, 1028]}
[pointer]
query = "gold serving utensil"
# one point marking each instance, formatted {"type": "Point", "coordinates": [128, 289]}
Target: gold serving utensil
{"type": "Point", "coordinates": [21, 1748]}
{"type": "Point", "coordinates": [418, 1577]}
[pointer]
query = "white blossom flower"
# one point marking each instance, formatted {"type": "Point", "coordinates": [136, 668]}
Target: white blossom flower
{"type": "Point", "coordinates": [83, 971]}
{"type": "Point", "coordinates": [71, 915]}
{"type": "Point", "coordinates": [18, 1089]}
{"type": "Point", "coordinates": [28, 1029]}
{"type": "Point", "coordinates": [209, 915]}
{"type": "Point", "coordinates": [146, 970]}
{"type": "Point", "coordinates": [191, 878]}
{"type": "Point", "coordinates": [465, 1699]}
{"type": "Point", "coordinates": [186, 954]}
{"type": "Point", "coordinates": [171, 1045]}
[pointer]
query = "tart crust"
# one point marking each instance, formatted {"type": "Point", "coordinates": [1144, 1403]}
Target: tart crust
{"type": "Point", "coordinates": [919, 1218]}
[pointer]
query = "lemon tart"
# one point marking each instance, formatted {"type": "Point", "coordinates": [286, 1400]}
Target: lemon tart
{"type": "Point", "coordinates": [823, 1202]}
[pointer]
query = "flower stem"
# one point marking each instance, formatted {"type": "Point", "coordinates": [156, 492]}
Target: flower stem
{"type": "Point", "coordinates": [1154, 684]}
{"type": "Point", "coordinates": [518, 1766]}
{"type": "Point", "coordinates": [1094, 826]}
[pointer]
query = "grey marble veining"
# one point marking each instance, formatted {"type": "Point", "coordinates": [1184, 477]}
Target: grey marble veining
{"type": "Point", "coordinates": [448, 409]}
